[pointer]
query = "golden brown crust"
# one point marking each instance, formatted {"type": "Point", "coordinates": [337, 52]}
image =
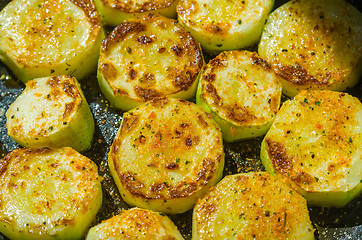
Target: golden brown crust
{"type": "Point", "coordinates": [90, 11]}
{"type": "Point", "coordinates": [55, 182]}
{"type": "Point", "coordinates": [252, 206]}
{"type": "Point", "coordinates": [213, 76]}
{"type": "Point", "coordinates": [119, 33]}
{"type": "Point", "coordinates": [137, 7]}
{"type": "Point", "coordinates": [167, 150]}
{"type": "Point", "coordinates": [314, 142]}
{"type": "Point", "coordinates": [148, 57]}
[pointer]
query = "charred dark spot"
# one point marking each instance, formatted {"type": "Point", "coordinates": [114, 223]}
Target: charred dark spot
{"type": "Point", "coordinates": [209, 77]}
{"type": "Point", "coordinates": [216, 63]}
{"type": "Point", "coordinates": [278, 154]}
{"type": "Point", "coordinates": [54, 165]}
{"type": "Point", "coordinates": [298, 75]}
{"type": "Point", "coordinates": [119, 33]}
{"type": "Point", "coordinates": [178, 50]}
{"type": "Point", "coordinates": [131, 183]}
{"type": "Point", "coordinates": [159, 102]}
{"type": "Point", "coordinates": [211, 90]}
{"type": "Point", "coordinates": [188, 142]}
{"type": "Point", "coordinates": [162, 50]}
{"type": "Point", "coordinates": [144, 40]}
{"type": "Point", "coordinates": [128, 122]}
{"type": "Point", "coordinates": [132, 73]}
{"type": "Point", "coordinates": [239, 114]}
{"type": "Point", "coordinates": [146, 94]}
{"type": "Point", "coordinates": [202, 121]}
{"type": "Point", "coordinates": [259, 61]}
{"type": "Point", "coordinates": [183, 81]}
{"type": "Point", "coordinates": [157, 187]}
{"type": "Point", "coordinates": [172, 166]}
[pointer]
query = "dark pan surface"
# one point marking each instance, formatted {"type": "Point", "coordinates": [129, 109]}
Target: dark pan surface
{"type": "Point", "coordinates": [331, 223]}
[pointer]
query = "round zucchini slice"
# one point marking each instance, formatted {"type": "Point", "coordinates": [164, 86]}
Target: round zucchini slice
{"type": "Point", "coordinates": [48, 38]}
{"type": "Point", "coordinates": [51, 112]}
{"type": "Point", "coordinates": [166, 155]}
{"type": "Point", "coordinates": [316, 143]}
{"type": "Point", "coordinates": [224, 25]}
{"type": "Point", "coordinates": [48, 194]}
{"type": "Point", "coordinates": [314, 44]}
{"type": "Point", "coordinates": [242, 93]}
{"type": "Point", "coordinates": [254, 205]}
{"type": "Point", "coordinates": [114, 12]}
{"type": "Point", "coordinates": [151, 56]}
{"type": "Point", "coordinates": [135, 223]}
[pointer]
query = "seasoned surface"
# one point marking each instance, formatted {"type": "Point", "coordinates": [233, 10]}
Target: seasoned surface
{"type": "Point", "coordinates": [243, 91]}
{"type": "Point", "coordinates": [316, 141]}
{"type": "Point", "coordinates": [148, 57]}
{"type": "Point", "coordinates": [166, 154]}
{"type": "Point", "coordinates": [239, 157]}
{"type": "Point", "coordinates": [252, 205]}
{"type": "Point", "coordinates": [48, 192]}
{"type": "Point", "coordinates": [224, 25]}
{"type": "Point", "coordinates": [314, 45]}
{"type": "Point", "coordinates": [51, 112]}
{"type": "Point", "coordinates": [136, 223]}
{"type": "Point", "coordinates": [42, 38]}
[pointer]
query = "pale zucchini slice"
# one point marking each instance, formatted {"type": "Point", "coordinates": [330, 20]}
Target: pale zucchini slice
{"type": "Point", "coordinates": [242, 92]}
{"type": "Point", "coordinates": [224, 25]}
{"type": "Point", "coordinates": [151, 56]}
{"type": "Point", "coordinates": [48, 38]}
{"type": "Point", "coordinates": [114, 12]}
{"type": "Point", "coordinates": [135, 223]}
{"type": "Point", "coordinates": [314, 44]}
{"type": "Point", "coordinates": [254, 205]}
{"type": "Point", "coordinates": [48, 194]}
{"type": "Point", "coordinates": [166, 155]}
{"type": "Point", "coordinates": [51, 112]}
{"type": "Point", "coordinates": [316, 143]}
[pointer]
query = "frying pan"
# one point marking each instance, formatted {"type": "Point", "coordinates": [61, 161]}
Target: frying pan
{"type": "Point", "coordinates": [330, 223]}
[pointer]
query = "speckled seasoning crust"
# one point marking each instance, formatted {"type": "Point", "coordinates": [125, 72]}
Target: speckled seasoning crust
{"type": "Point", "coordinates": [166, 155]}
{"type": "Point", "coordinates": [314, 45]}
{"type": "Point", "coordinates": [47, 193]}
{"type": "Point", "coordinates": [242, 156]}
{"type": "Point", "coordinates": [242, 92]}
{"type": "Point", "coordinates": [49, 38]}
{"type": "Point", "coordinates": [136, 223]}
{"type": "Point", "coordinates": [151, 56]}
{"type": "Point", "coordinates": [114, 12]}
{"type": "Point", "coordinates": [254, 205]}
{"type": "Point", "coordinates": [315, 141]}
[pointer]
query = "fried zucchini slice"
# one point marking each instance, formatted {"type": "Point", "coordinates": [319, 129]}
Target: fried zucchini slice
{"type": "Point", "coordinates": [254, 205]}
{"type": "Point", "coordinates": [314, 44]}
{"type": "Point", "coordinates": [49, 38]}
{"type": "Point", "coordinates": [316, 143]}
{"type": "Point", "coordinates": [51, 112]}
{"type": "Point", "coordinates": [48, 194]}
{"type": "Point", "coordinates": [242, 93]}
{"type": "Point", "coordinates": [166, 155]}
{"type": "Point", "coordinates": [224, 25]}
{"type": "Point", "coordinates": [135, 223]}
{"type": "Point", "coordinates": [151, 56]}
{"type": "Point", "coordinates": [114, 12]}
